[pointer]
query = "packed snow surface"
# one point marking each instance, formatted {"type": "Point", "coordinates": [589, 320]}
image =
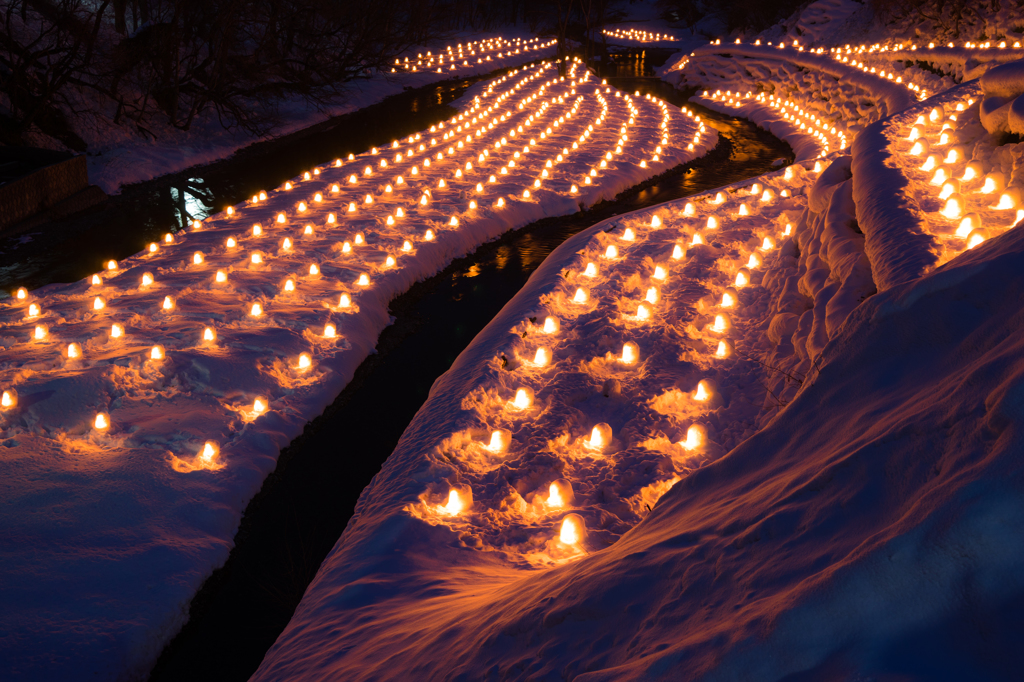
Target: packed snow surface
{"type": "Point", "coordinates": [766, 433]}
{"type": "Point", "coordinates": [144, 406]}
{"type": "Point", "coordinates": [862, 525]}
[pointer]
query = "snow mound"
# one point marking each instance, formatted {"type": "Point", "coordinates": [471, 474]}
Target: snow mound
{"type": "Point", "coordinates": [1000, 110]}
{"type": "Point", "coordinates": [871, 530]}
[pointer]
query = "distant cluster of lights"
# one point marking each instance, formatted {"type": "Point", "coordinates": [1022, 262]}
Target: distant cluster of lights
{"type": "Point", "coordinates": [464, 54]}
{"type": "Point", "coordinates": [464, 131]}
{"type": "Point", "coordinates": [572, 530]}
{"type": "Point", "coordinates": [638, 35]}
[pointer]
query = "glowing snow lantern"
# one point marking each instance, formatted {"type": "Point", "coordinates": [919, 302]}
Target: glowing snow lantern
{"type": "Point", "coordinates": [168, 303]}
{"type": "Point", "coordinates": [98, 303]}
{"type": "Point", "coordinates": [652, 295]}
{"type": "Point", "coordinates": [500, 440]}
{"type": "Point", "coordinates": [232, 243]}
{"type": "Point", "coordinates": [722, 323]}
{"type": "Point", "coordinates": [21, 293]}
{"type": "Point", "coordinates": [678, 252]}
{"type": "Point", "coordinates": [209, 453]}
{"type": "Point", "coordinates": [74, 351]}
{"type": "Point", "coordinates": [994, 182]}
{"type": "Point", "coordinates": [197, 258]}
{"type": "Point", "coordinates": [221, 276]}
{"type": "Point", "coordinates": [256, 258]}
{"type": "Point", "coordinates": [600, 437]}
{"type": "Point", "coordinates": [689, 209]}
{"type": "Point", "coordinates": [1008, 200]}
{"type": "Point", "coordinates": [724, 349]}
{"type": "Point", "coordinates": [611, 252]}
{"type": "Point", "coordinates": [330, 331]}
{"type": "Point", "coordinates": [209, 334]}
{"type": "Point", "coordinates": [573, 530]}
{"type": "Point", "coordinates": [630, 353]}
{"type": "Point", "coordinates": [455, 504]}
{"type": "Point", "coordinates": [931, 162]}
{"type": "Point", "coordinates": [696, 436]}
{"type": "Point", "coordinates": [111, 265]}
{"type": "Point", "coordinates": [551, 325]}
{"type": "Point", "coordinates": [33, 310]}
{"type": "Point", "coordinates": [259, 405]}
{"type": "Point", "coordinates": [954, 206]}
{"type": "Point", "coordinates": [580, 296]}
{"type": "Point", "coordinates": [40, 332]}
{"type": "Point", "coordinates": [560, 494]}
{"type": "Point", "coordinates": [101, 422]}
{"type": "Point", "coordinates": [156, 352]}
{"type": "Point", "coordinates": [712, 222]}
{"type": "Point", "coordinates": [116, 331]}
{"type": "Point", "coordinates": [971, 171]}
{"type": "Point", "coordinates": [314, 269]}
{"type": "Point", "coordinates": [729, 297]}
{"type": "Point", "coordinates": [428, 236]}
{"type": "Point", "coordinates": [523, 399]}
{"type": "Point", "coordinates": [704, 391]}
{"type": "Point", "coordinates": [256, 310]}
{"type": "Point", "coordinates": [949, 188]}
{"type": "Point", "coordinates": [754, 261]}
{"type": "Point", "coordinates": [95, 280]}
{"type": "Point", "coordinates": [919, 147]}
{"type": "Point", "coordinates": [742, 277]}
{"type": "Point", "coordinates": [697, 239]}
{"type": "Point", "coordinates": [363, 281]}
{"type": "Point", "coordinates": [975, 238]}
{"type": "Point", "coordinates": [767, 244]}
{"type": "Point", "coordinates": [9, 399]}
{"type": "Point", "coordinates": [305, 361]}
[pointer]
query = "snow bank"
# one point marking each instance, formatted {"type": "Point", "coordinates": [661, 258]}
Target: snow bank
{"type": "Point", "coordinates": [645, 333]}
{"type": "Point", "coordinates": [786, 120]}
{"type": "Point", "coordinates": [207, 353]}
{"type": "Point", "coordinates": [119, 157]}
{"type": "Point", "coordinates": [903, 187]}
{"type": "Point", "coordinates": [891, 97]}
{"type": "Point", "coordinates": [870, 530]}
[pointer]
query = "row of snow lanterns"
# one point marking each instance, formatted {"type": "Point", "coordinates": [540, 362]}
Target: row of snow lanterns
{"type": "Point", "coordinates": [572, 530]}
{"type": "Point", "coordinates": [815, 126]}
{"type": "Point", "coordinates": [638, 35]}
{"type": "Point", "coordinates": [951, 188]}
{"type": "Point", "coordinates": [837, 54]}
{"type": "Point", "coordinates": [472, 49]}
{"type": "Point", "coordinates": [102, 420]}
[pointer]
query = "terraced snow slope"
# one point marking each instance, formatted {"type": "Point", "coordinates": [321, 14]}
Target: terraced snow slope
{"type": "Point", "coordinates": [144, 406]}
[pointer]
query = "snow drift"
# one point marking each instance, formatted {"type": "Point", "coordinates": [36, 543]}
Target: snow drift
{"type": "Point", "coordinates": [870, 530]}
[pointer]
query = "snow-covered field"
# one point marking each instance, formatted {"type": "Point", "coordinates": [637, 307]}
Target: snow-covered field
{"type": "Point", "coordinates": [771, 432]}
{"type": "Point", "coordinates": [144, 406]}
